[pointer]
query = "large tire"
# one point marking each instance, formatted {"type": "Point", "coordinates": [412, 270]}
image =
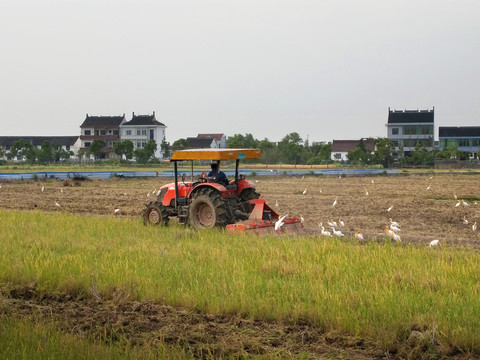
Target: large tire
{"type": "Point", "coordinates": [155, 214]}
{"type": "Point", "coordinates": [208, 210]}
{"type": "Point", "coordinates": [249, 194]}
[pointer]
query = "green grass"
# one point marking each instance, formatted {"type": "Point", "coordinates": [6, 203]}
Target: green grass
{"type": "Point", "coordinates": [30, 340]}
{"type": "Point", "coordinates": [379, 290]}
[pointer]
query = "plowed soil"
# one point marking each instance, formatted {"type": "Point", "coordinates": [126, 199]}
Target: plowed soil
{"type": "Point", "coordinates": [423, 205]}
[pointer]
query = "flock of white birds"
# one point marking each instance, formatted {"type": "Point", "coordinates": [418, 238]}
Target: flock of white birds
{"type": "Point", "coordinates": [391, 230]}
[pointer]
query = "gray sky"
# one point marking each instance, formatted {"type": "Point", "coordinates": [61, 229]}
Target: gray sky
{"type": "Point", "coordinates": [325, 69]}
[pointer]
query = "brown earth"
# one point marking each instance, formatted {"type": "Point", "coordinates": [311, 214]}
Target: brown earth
{"type": "Point", "coordinates": [423, 215]}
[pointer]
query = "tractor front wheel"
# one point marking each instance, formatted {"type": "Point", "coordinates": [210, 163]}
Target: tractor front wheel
{"type": "Point", "coordinates": [155, 214]}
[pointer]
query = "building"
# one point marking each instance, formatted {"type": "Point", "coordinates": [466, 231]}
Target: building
{"type": "Point", "coordinates": [105, 128]}
{"type": "Point", "coordinates": [202, 141]}
{"type": "Point", "coordinates": [407, 128]}
{"type": "Point", "coordinates": [465, 138]}
{"type": "Point", "coordinates": [143, 128]}
{"type": "Point", "coordinates": [340, 148]}
{"type": "Point", "coordinates": [67, 143]}
{"type": "Point", "coordinates": [220, 139]}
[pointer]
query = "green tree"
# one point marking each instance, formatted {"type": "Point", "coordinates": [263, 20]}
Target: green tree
{"type": "Point", "coordinates": [23, 149]}
{"type": "Point", "coordinates": [360, 155]}
{"type": "Point", "coordinates": [242, 141]}
{"type": "Point", "coordinates": [61, 154]}
{"type": "Point", "coordinates": [383, 152]}
{"type": "Point", "coordinates": [145, 154]}
{"type": "Point", "coordinates": [46, 154]}
{"type": "Point", "coordinates": [95, 148]}
{"type": "Point", "coordinates": [166, 149]}
{"type": "Point", "coordinates": [124, 148]}
{"type": "Point", "coordinates": [292, 149]}
{"type": "Point", "coordinates": [180, 144]}
{"type": "Point", "coordinates": [321, 153]}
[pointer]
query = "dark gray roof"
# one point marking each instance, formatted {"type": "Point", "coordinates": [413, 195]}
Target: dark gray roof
{"type": "Point", "coordinates": [410, 116]}
{"type": "Point", "coordinates": [103, 121]}
{"type": "Point", "coordinates": [143, 120]}
{"type": "Point", "coordinates": [38, 140]}
{"type": "Point", "coordinates": [199, 143]}
{"type": "Point", "coordinates": [458, 131]}
{"type": "Point", "coordinates": [348, 145]}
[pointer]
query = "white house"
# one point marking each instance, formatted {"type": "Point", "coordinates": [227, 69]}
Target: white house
{"type": "Point", "coordinates": [141, 129]}
{"type": "Point", "coordinates": [340, 148]}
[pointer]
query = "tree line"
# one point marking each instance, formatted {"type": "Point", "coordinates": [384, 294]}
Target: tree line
{"type": "Point", "coordinates": [291, 149]}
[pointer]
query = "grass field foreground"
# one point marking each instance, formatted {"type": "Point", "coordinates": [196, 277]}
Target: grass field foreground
{"type": "Point", "coordinates": [379, 291]}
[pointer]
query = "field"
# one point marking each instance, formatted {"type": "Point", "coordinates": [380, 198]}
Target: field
{"type": "Point", "coordinates": [319, 298]}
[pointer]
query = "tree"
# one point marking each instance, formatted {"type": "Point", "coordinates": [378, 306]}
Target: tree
{"type": "Point", "coordinates": [360, 155]}
{"type": "Point", "coordinates": [61, 154]}
{"type": "Point", "coordinates": [383, 152]}
{"type": "Point", "coordinates": [321, 153]}
{"type": "Point", "coordinates": [291, 148]}
{"type": "Point", "coordinates": [145, 154]}
{"type": "Point", "coordinates": [23, 149]}
{"type": "Point", "coordinates": [165, 147]}
{"type": "Point", "coordinates": [124, 148]}
{"type": "Point", "coordinates": [95, 148]}
{"type": "Point", "coordinates": [180, 144]}
{"type": "Point", "coordinates": [47, 153]}
{"type": "Point", "coordinates": [240, 141]}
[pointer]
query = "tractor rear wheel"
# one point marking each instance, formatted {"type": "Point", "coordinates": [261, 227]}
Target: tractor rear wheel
{"type": "Point", "coordinates": [208, 210]}
{"type": "Point", "coordinates": [155, 214]}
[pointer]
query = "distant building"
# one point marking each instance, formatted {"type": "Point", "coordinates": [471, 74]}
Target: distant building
{"type": "Point", "coordinates": [220, 139]}
{"type": "Point", "coordinates": [466, 138]}
{"type": "Point", "coordinates": [407, 128]}
{"type": "Point", "coordinates": [143, 128]}
{"type": "Point", "coordinates": [105, 128]}
{"type": "Point", "coordinates": [214, 141]}
{"type": "Point", "coordinates": [68, 143]}
{"type": "Point", "coordinates": [340, 148]}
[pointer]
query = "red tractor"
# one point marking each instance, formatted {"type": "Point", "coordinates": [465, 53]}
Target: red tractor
{"type": "Point", "coordinates": [205, 203]}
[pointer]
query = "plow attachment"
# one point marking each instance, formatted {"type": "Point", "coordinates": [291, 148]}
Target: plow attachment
{"type": "Point", "coordinates": [263, 220]}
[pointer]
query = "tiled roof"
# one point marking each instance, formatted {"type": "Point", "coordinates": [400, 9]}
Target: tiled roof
{"type": "Point", "coordinates": [458, 131]}
{"type": "Point", "coordinates": [144, 120]}
{"type": "Point", "coordinates": [199, 143]}
{"type": "Point", "coordinates": [38, 140]}
{"type": "Point", "coordinates": [348, 145]}
{"type": "Point", "coordinates": [410, 116]}
{"type": "Point", "coordinates": [103, 121]}
{"type": "Point", "coordinates": [217, 137]}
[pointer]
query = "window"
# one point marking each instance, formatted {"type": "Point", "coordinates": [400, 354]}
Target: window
{"type": "Point", "coordinates": [138, 144]}
{"type": "Point", "coordinates": [144, 132]}
{"type": "Point", "coordinates": [87, 143]}
{"type": "Point", "coordinates": [128, 132]}
{"type": "Point", "coordinates": [103, 132]}
{"type": "Point", "coordinates": [409, 130]}
{"type": "Point", "coordinates": [138, 132]}
{"type": "Point", "coordinates": [151, 134]}
{"type": "Point", "coordinates": [337, 156]}
{"type": "Point", "coordinates": [394, 131]}
{"type": "Point", "coordinates": [87, 132]}
{"type": "Point", "coordinates": [115, 132]}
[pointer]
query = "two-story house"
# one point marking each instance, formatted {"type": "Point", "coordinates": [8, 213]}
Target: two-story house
{"type": "Point", "coordinates": [143, 128]}
{"type": "Point", "coordinates": [105, 128]}
{"type": "Point", "coordinates": [407, 128]}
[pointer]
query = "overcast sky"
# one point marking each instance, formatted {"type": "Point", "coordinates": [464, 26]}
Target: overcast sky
{"type": "Point", "coordinates": [325, 69]}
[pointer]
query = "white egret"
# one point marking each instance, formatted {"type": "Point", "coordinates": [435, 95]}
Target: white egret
{"type": "Point", "coordinates": [359, 236]}
{"type": "Point", "coordinates": [304, 191]}
{"type": "Point", "coordinates": [434, 243]}
{"type": "Point", "coordinates": [334, 202]}
{"type": "Point", "coordinates": [474, 226]}
{"type": "Point", "coordinates": [325, 232]}
{"type": "Point", "coordinates": [279, 223]}
{"type": "Point", "coordinates": [390, 208]}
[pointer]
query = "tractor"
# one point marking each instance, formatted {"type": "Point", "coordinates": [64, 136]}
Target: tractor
{"type": "Point", "coordinates": [204, 203]}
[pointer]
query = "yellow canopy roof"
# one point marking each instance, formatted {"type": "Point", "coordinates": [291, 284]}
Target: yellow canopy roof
{"type": "Point", "coordinates": [216, 154]}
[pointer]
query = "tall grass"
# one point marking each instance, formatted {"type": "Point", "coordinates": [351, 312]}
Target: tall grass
{"type": "Point", "coordinates": [30, 340]}
{"type": "Point", "coordinates": [379, 291]}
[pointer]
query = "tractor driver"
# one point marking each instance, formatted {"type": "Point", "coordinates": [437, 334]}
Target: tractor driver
{"type": "Point", "coordinates": [217, 175]}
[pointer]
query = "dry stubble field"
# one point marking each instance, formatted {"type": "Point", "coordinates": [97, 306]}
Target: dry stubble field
{"type": "Point", "coordinates": [423, 215]}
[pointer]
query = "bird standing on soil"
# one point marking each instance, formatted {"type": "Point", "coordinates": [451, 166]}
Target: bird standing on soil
{"type": "Point", "coordinates": [325, 232]}
{"type": "Point", "coordinates": [337, 232]}
{"type": "Point", "coordinates": [116, 211]}
{"type": "Point", "coordinates": [390, 208]}
{"type": "Point", "coordinates": [359, 236]}
{"type": "Point", "coordinates": [474, 226]}
{"type": "Point", "coordinates": [465, 221]}
{"type": "Point", "coordinates": [428, 187]}
{"type": "Point", "coordinates": [334, 202]}
{"type": "Point", "coordinates": [57, 204]}
{"type": "Point", "coordinates": [434, 243]}
{"type": "Point", "coordinates": [304, 191]}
